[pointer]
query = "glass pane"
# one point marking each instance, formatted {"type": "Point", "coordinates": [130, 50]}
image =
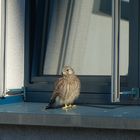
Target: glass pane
{"type": "Point", "coordinates": [55, 36]}
{"type": "Point", "coordinates": [83, 40]}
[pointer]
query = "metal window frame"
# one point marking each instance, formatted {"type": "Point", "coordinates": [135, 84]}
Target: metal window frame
{"type": "Point", "coordinates": [103, 7]}
{"type": "Point", "coordinates": [95, 89]}
{"type": "Point", "coordinates": [3, 49]}
{"type": "Point", "coordinates": [115, 78]}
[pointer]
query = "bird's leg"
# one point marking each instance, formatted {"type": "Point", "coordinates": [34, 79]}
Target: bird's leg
{"type": "Point", "coordinates": [65, 107]}
{"type": "Point", "coordinates": [72, 106]}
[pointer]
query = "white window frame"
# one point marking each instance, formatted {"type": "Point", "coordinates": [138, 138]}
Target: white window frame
{"type": "Point", "coordinates": [2, 48]}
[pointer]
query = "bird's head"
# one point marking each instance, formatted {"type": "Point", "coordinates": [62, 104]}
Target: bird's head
{"type": "Point", "coordinates": [67, 70]}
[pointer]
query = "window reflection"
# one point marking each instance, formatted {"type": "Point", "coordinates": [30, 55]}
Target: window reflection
{"type": "Point", "coordinates": [85, 43]}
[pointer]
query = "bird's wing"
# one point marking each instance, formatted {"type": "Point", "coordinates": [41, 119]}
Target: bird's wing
{"type": "Point", "coordinates": [59, 88]}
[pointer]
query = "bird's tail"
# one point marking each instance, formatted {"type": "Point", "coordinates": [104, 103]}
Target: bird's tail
{"type": "Point", "coordinates": [51, 104]}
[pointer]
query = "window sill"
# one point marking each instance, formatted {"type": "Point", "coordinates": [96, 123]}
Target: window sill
{"type": "Point", "coordinates": [109, 117]}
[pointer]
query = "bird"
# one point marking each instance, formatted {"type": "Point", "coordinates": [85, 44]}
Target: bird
{"type": "Point", "coordinates": [66, 90]}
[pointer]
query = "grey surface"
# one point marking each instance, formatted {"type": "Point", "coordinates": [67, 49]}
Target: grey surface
{"type": "Point", "coordinates": [11, 132]}
{"type": "Point", "coordinates": [110, 117]}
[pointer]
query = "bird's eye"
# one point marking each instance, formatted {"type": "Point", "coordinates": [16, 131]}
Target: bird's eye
{"type": "Point", "coordinates": [67, 70]}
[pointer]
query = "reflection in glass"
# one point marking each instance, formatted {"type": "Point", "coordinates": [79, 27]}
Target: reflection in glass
{"type": "Point", "coordinates": [85, 43]}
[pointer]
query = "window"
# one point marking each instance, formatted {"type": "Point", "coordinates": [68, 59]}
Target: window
{"type": "Point", "coordinates": [105, 8]}
{"type": "Point", "coordinates": [78, 33]}
{"type": "Point", "coordinates": [12, 20]}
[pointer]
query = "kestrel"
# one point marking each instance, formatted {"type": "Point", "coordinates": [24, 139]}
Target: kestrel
{"type": "Point", "coordinates": [66, 90]}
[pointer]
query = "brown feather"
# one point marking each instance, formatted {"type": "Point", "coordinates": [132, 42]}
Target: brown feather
{"type": "Point", "coordinates": [67, 88]}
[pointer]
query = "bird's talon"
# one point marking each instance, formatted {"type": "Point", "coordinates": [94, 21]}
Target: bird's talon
{"type": "Point", "coordinates": [73, 106]}
{"type": "Point", "coordinates": [65, 107]}
{"type": "Point", "coordinates": [68, 107]}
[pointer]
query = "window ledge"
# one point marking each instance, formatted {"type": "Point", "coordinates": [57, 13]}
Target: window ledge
{"type": "Point", "coordinates": [109, 117]}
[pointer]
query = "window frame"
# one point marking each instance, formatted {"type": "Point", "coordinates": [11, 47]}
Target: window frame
{"type": "Point", "coordinates": [3, 49]}
{"type": "Point", "coordinates": [39, 88]}
{"type": "Point", "coordinates": [104, 8]}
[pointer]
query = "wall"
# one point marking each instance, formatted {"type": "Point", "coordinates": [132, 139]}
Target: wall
{"type": "Point", "coordinates": [15, 16]}
{"type": "Point", "coordinates": [9, 132]}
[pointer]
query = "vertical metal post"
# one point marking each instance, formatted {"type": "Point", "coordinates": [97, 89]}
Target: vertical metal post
{"type": "Point", "coordinates": [115, 79]}
{"type": "Point", "coordinates": [3, 49]}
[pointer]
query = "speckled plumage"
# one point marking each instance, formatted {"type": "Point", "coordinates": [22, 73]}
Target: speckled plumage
{"type": "Point", "coordinates": [67, 88]}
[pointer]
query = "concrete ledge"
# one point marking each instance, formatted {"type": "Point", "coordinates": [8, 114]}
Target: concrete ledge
{"type": "Point", "coordinates": [116, 117]}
